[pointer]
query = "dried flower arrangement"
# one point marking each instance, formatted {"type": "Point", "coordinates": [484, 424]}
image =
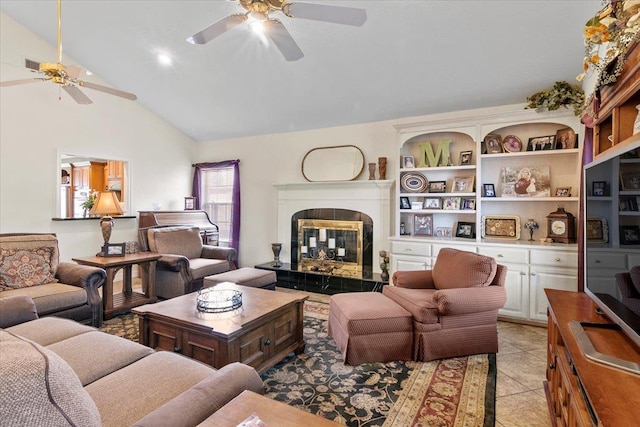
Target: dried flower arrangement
{"type": "Point", "coordinates": [561, 94]}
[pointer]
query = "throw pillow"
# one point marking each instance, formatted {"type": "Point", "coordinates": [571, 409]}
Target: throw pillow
{"type": "Point", "coordinates": [32, 243]}
{"type": "Point", "coordinates": [462, 269]}
{"type": "Point", "coordinates": [21, 268]}
{"type": "Point", "coordinates": [39, 388]}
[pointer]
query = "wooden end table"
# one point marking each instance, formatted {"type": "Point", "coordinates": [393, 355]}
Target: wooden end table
{"type": "Point", "coordinates": [113, 305]}
{"type": "Point", "coordinates": [271, 412]}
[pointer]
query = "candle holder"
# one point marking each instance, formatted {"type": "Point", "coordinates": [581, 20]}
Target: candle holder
{"type": "Point", "coordinates": [276, 248]}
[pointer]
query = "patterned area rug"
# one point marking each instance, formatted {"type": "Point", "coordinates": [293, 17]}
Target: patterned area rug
{"type": "Point", "coordinates": [453, 392]}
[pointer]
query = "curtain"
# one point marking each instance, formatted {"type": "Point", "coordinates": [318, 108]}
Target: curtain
{"type": "Point", "coordinates": [587, 157]}
{"type": "Point", "coordinates": [197, 191]}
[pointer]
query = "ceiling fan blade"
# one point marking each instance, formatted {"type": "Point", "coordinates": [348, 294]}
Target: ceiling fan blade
{"type": "Point", "coordinates": [216, 29]}
{"type": "Point", "coordinates": [77, 94]}
{"type": "Point", "coordinates": [73, 71]}
{"type": "Point", "coordinates": [21, 82]}
{"type": "Point", "coordinates": [326, 13]}
{"type": "Point", "coordinates": [283, 40]}
{"type": "Point", "coordinates": [31, 64]}
{"type": "Point", "coordinates": [105, 89]}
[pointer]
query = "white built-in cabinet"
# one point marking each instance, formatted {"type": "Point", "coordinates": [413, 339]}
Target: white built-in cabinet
{"type": "Point", "coordinates": [531, 265]}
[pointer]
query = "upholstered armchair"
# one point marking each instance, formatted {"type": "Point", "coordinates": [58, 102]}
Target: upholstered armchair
{"type": "Point", "coordinates": [185, 260]}
{"type": "Point", "coordinates": [30, 267]}
{"type": "Point", "coordinates": [454, 306]}
{"type": "Point", "coordinates": [629, 287]}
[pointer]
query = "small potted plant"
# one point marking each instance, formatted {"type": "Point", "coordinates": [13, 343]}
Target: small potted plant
{"type": "Point", "coordinates": [88, 204]}
{"type": "Point", "coordinates": [531, 225]}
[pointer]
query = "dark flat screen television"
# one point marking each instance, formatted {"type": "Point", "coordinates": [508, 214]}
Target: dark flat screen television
{"type": "Point", "coordinates": [612, 242]}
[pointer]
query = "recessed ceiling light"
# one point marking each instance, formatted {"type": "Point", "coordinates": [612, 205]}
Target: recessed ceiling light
{"type": "Point", "coordinates": [164, 59]}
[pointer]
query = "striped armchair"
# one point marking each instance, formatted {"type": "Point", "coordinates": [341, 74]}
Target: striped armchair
{"type": "Point", "coordinates": [454, 306]}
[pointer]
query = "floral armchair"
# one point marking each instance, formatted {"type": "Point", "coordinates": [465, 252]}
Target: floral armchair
{"type": "Point", "coordinates": [454, 306]}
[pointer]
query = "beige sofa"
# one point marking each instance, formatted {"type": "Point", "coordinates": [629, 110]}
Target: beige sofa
{"type": "Point", "coordinates": [58, 372]}
{"type": "Point", "coordinates": [30, 266]}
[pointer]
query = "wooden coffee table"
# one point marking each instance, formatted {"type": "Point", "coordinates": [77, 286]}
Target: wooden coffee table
{"type": "Point", "coordinates": [271, 412]}
{"type": "Point", "coordinates": [260, 334]}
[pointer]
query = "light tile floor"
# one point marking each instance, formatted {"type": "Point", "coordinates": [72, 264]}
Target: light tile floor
{"type": "Point", "coordinates": [521, 362]}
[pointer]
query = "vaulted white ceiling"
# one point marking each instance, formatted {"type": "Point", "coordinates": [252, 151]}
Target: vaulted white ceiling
{"type": "Point", "coordinates": [410, 58]}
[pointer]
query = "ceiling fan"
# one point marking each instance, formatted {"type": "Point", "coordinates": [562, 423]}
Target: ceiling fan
{"type": "Point", "coordinates": [67, 77]}
{"type": "Point", "coordinates": [258, 12]}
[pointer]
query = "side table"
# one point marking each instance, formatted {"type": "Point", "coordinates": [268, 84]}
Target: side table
{"type": "Point", "coordinates": [113, 305]}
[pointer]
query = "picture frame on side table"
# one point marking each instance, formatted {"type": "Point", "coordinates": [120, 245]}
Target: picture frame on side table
{"type": "Point", "coordinates": [599, 188]}
{"type": "Point", "coordinates": [114, 249]}
{"type": "Point", "coordinates": [488, 190]}
{"type": "Point", "coordinates": [501, 227]}
{"type": "Point", "coordinates": [629, 235]}
{"type": "Point", "coordinates": [465, 157]}
{"type": "Point", "coordinates": [597, 230]}
{"type": "Point", "coordinates": [466, 230]}
{"type": "Point", "coordinates": [404, 203]}
{"type": "Point", "coordinates": [189, 203]}
{"type": "Point", "coordinates": [423, 225]}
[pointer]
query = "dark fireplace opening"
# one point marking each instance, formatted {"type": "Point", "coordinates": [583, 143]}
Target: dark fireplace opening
{"type": "Point", "coordinates": [331, 241]}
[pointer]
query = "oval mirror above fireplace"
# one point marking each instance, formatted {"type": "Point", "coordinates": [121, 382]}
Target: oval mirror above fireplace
{"type": "Point", "coordinates": [336, 163]}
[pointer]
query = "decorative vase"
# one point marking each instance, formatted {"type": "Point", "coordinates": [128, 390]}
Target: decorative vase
{"type": "Point", "coordinates": [372, 171]}
{"type": "Point", "coordinates": [276, 248]}
{"type": "Point", "coordinates": [382, 167]}
{"type": "Point", "coordinates": [384, 266]}
{"type": "Point", "coordinates": [636, 124]}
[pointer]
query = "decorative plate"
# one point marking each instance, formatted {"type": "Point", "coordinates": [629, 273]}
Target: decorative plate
{"type": "Point", "coordinates": [512, 144]}
{"type": "Point", "coordinates": [414, 182]}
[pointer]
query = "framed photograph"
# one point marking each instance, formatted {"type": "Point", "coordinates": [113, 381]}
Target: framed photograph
{"type": "Point", "coordinates": [465, 157]}
{"type": "Point", "coordinates": [563, 192]}
{"type": "Point", "coordinates": [189, 203]}
{"type": "Point", "coordinates": [539, 143]}
{"type": "Point", "coordinates": [566, 138]}
{"type": "Point", "coordinates": [114, 249]}
{"type": "Point", "coordinates": [501, 227]}
{"type": "Point", "coordinates": [493, 143]}
{"type": "Point", "coordinates": [598, 188]}
{"type": "Point", "coordinates": [444, 232]}
{"type": "Point", "coordinates": [463, 184]}
{"type": "Point", "coordinates": [597, 230]}
{"type": "Point", "coordinates": [432, 203]}
{"type": "Point", "coordinates": [451, 203]}
{"type": "Point", "coordinates": [466, 230]}
{"type": "Point", "coordinates": [629, 203]}
{"type": "Point", "coordinates": [408, 162]}
{"type": "Point", "coordinates": [488, 190]}
{"type": "Point", "coordinates": [525, 181]}
{"type": "Point", "coordinates": [629, 235]}
{"type": "Point", "coordinates": [404, 203]}
{"type": "Point", "coordinates": [416, 206]}
{"type": "Point", "coordinates": [512, 144]}
{"type": "Point", "coordinates": [629, 181]}
{"type": "Point", "coordinates": [469, 204]}
{"type": "Point", "coordinates": [437, 186]}
{"type": "Point", "coordinates": [423, 225]}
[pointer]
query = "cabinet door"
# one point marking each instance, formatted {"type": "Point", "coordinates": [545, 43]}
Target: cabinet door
{"type": "Point", "coordinates": [201, 347]}
{"type": "Point", "coordinates": [255, 346]}
{"type": "Point", "coordinates": [409, 263]}
{"type": "Point", "coordinates": [285, 331]}
{"type": "Point", "coordinates": [517, 287]}
{"type": "Point", "coordinates": [548, 277]}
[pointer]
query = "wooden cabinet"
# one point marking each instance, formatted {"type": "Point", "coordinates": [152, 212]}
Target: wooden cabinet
{"type": "Point", "coordinates": [579, 391]}
{"type": "Point", "coordinates": [617, 109]}
{"type": "Point", "coordinates": [80, 177]}
{"type": "Point", "coordinates": [115, 169]}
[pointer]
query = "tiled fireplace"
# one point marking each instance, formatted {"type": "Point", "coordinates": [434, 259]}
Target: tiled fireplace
{"type": "Point", "coordinates": [332, 233]}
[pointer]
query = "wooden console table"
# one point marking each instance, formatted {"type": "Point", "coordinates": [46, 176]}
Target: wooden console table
{"type": "Point", "coordinates": [120, 303]}
{"type": "Point", "coordinates": [581, 392]}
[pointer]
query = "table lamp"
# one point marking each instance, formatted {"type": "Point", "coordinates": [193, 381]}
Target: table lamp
{"type": "Point", "coordinates": [106, 204]}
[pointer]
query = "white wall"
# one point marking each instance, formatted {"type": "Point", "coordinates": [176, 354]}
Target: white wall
{"type": "Point", "coordinates": [35, 126]}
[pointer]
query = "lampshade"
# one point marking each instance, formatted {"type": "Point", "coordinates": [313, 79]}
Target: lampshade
{"type": "Point", "coordinates": [106, 204]}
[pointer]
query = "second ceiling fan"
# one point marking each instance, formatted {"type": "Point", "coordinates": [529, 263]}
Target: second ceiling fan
{"type": "Point", "coordinates": [258, 11]}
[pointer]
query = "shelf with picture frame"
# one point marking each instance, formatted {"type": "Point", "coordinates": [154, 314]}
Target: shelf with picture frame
{"type": "Point", "coordinates": [467, 131]}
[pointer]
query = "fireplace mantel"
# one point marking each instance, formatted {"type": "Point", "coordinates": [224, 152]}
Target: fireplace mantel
{"type": "Point", "coordinates": [368, 196]}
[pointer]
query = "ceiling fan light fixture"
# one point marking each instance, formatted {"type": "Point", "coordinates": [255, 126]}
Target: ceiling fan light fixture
{"type": "Point", "coordinates": [257, 27]}
{"type": "Point", "coordinates": [164, 59]}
